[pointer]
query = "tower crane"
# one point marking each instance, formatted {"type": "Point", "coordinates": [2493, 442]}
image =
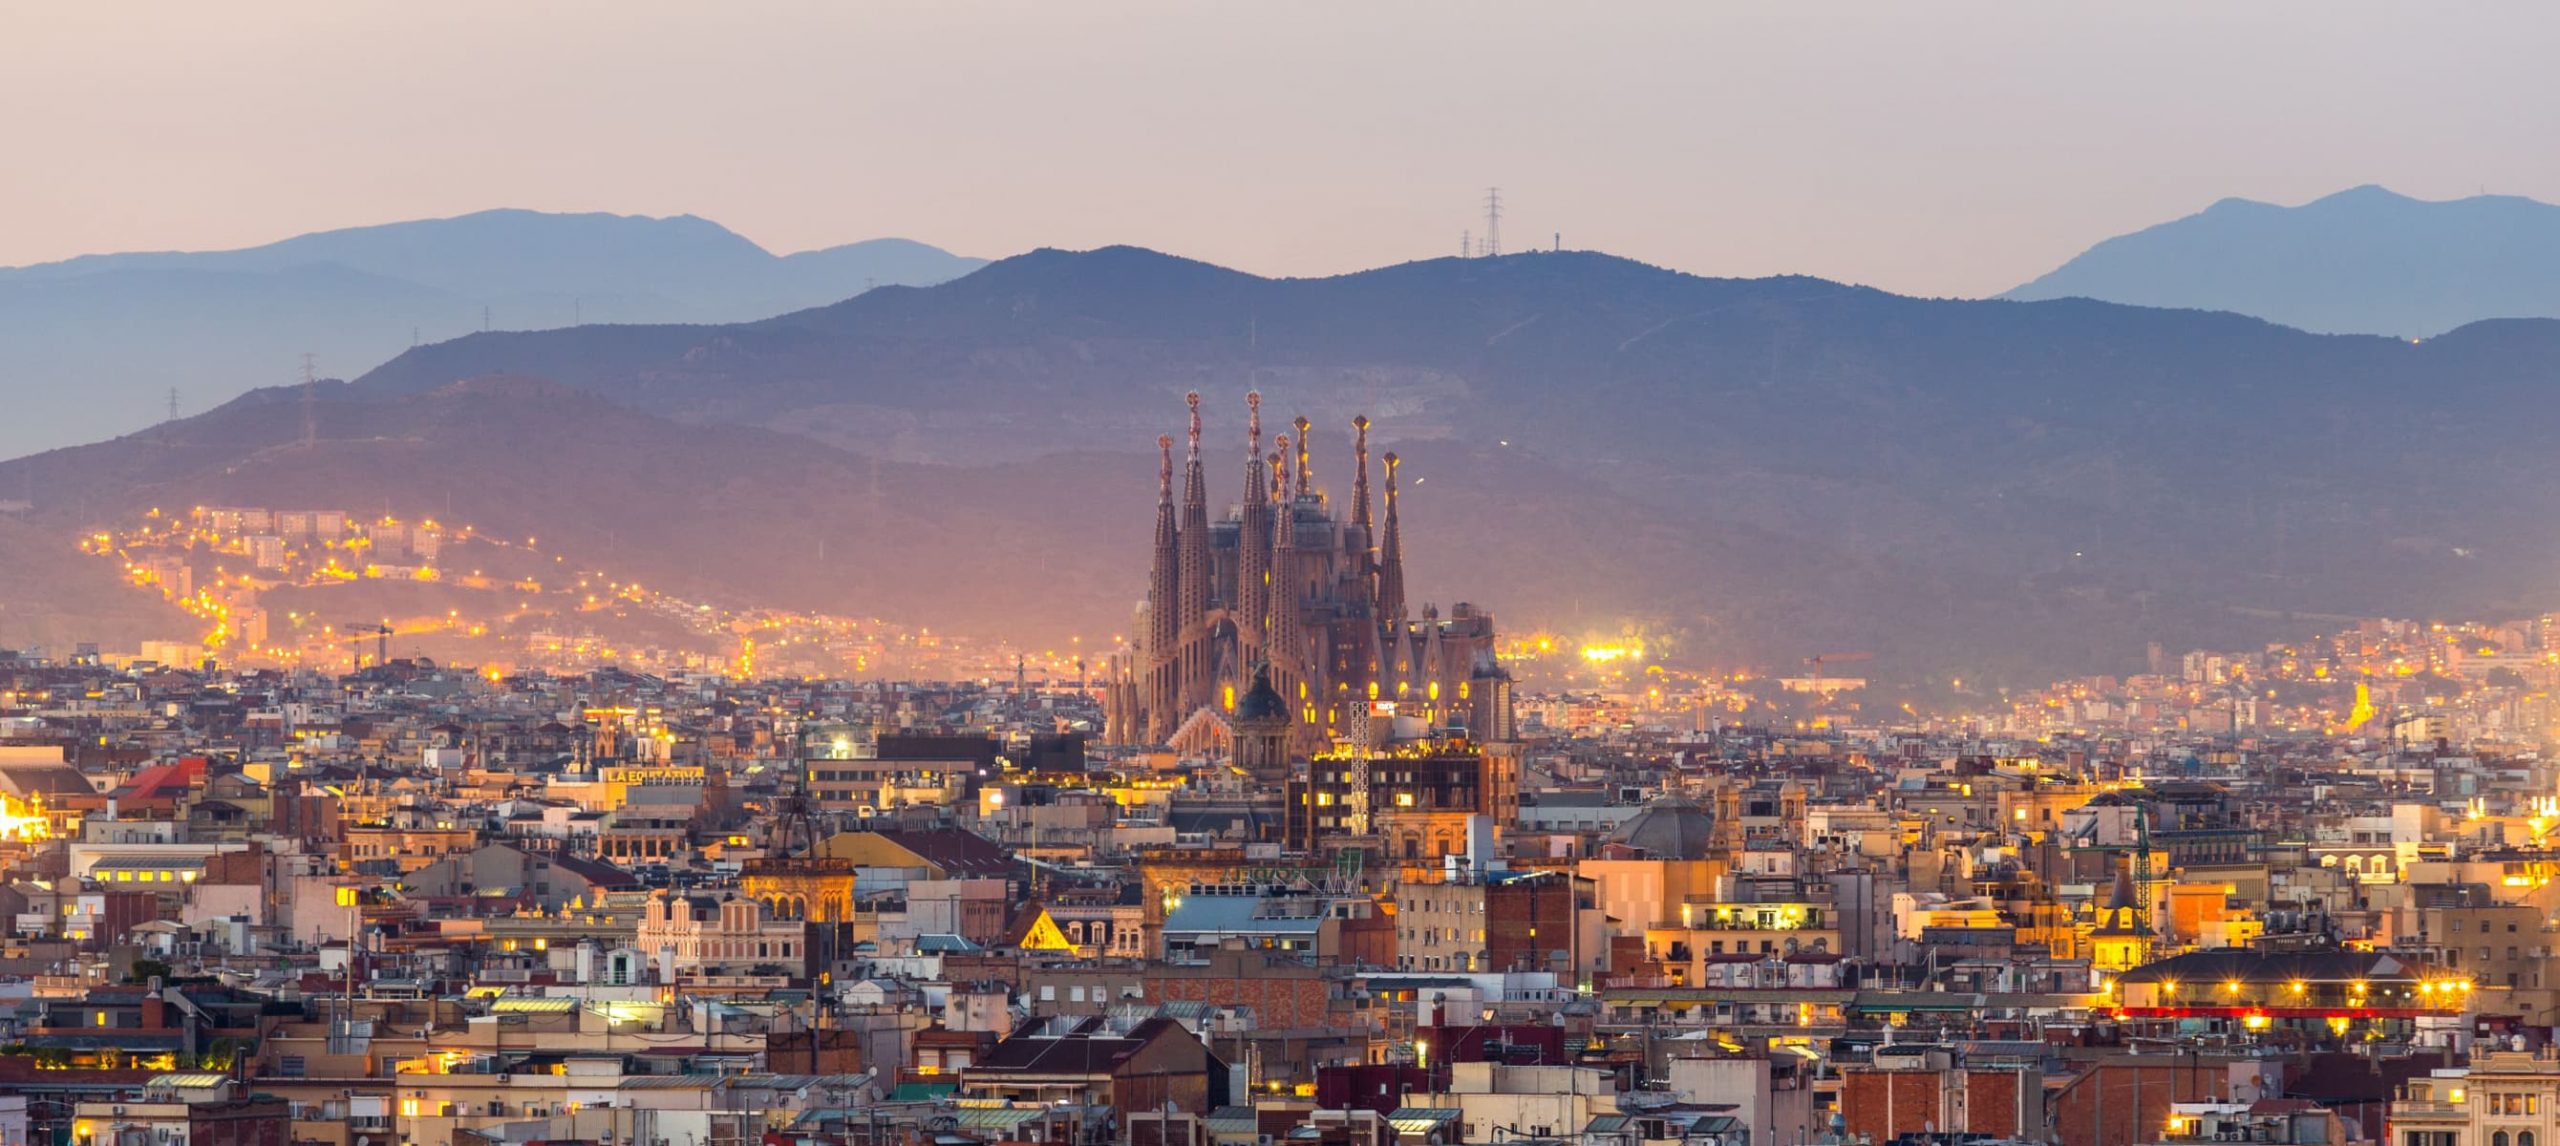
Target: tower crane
{"type": "Point", "coordinates": [2139, 861]}
{"type": "Point", "coordinates": [1822, 687]}
{"type": "Point", "coordinates": [381, 632]}
{"type": "Point", "coordinates": [1817, 660]}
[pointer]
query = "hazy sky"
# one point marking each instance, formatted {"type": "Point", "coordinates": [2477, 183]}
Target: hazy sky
{"type": "Point", "coordinates": [1933, 148]}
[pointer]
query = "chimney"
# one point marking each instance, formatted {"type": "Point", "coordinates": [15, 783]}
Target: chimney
{"type": "Point", "coordinates": [155, 1010]}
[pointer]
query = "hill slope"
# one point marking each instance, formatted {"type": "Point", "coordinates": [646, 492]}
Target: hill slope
{"type": "Point", "coordinates": [89, 347]}
{"type": "Point", "coordinates": [2360, 261]}
{"type": "Point", "coordinates": [1758, 470]}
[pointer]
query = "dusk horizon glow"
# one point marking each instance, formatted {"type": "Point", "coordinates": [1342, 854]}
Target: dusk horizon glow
{"type": "Point", "coordinates": [1922, 151]}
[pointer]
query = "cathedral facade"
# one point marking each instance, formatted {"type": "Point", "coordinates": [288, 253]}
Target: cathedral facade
{"type": "Point", "coordinates": [1286, 586]}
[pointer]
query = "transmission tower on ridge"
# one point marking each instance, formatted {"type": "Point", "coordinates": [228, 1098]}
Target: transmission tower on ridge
{"type": "Point", "coordinates": [310, 383]}
{"type": "Point", "coordinates": [1493, 221]}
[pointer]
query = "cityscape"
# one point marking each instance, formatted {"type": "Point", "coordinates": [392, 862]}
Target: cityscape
{"type": "Point", "coordinates": [1655, 574]}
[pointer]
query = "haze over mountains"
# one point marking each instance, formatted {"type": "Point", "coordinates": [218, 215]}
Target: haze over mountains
{"type": "Point", "coordinates": [1753, 470]}
{"type": "Point", "coordinates": [90, 347]}
{"type": "Point", "coordinates": [2362, 261]}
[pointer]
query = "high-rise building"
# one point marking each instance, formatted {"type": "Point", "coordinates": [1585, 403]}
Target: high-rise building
{"type": "Point", "coordinates": [1284, 584]}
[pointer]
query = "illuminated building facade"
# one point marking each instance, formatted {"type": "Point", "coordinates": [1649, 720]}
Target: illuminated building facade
{"type": "Point", "coordinates": [2503, 1098]}
{"type": "Point", "coordinates": [1708, 932]}
{"type": "Point", "coordinates": [814, 889]}
{"type": "Point", "coordinates": [697, 933]}
{"type": "Point", "coordinates": [1318, 597]}
{"type": "Point", "coordinates": [2340, 990]}
{"type": "Point", "coordinates": [1419, 797]}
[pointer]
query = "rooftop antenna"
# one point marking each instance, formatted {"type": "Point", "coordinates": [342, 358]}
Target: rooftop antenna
{"type": "Point", "coordinates": [1493, 222]}
{"type": "Point", "coordinates": [310, 385]}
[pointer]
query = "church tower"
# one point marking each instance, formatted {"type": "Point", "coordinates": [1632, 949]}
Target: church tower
{"type": "Point", "coordinates": [1253, 559]}
{"type": "Point", "coordinates": [1161, 687]}
{"type": "Point", "coordinates": [1193, 561]}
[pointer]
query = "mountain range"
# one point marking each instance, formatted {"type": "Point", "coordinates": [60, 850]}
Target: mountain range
{"type": "Point", "coordinates": [92, 347]}
{"type": "Point", "coordinates": [2362, 261]}
{"type": "Point", "coordinates": [1749, 471]}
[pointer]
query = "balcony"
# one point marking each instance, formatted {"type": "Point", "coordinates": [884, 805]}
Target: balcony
{"type": "Point", "coordinates": [2405, 1109]}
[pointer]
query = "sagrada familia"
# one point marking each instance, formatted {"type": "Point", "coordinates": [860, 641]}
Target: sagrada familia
{"type": "Point", "coordinates": [1285, 600]}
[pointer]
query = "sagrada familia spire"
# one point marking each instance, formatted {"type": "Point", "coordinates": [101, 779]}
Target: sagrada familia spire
{"type": "Point", "coordinates": [1284, 597]}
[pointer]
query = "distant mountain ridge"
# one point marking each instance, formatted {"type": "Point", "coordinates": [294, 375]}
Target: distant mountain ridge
{"type": "Point", "coordinates": [90, 346]}
{"type": "Point", "coordinates": [2362, 261]}
{"type": "Point", "coordinates": [1751, 470]}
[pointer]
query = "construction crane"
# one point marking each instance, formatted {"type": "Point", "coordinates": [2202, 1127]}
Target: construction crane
{"type": "Point", "coordinates": [381, 633]}
{"type": "Point", "coordinates": [2086, 839]}
{"type": "Point", "coordinates": [1817, 660]}
{"type": "Point", "coordinates": [1823, 688]}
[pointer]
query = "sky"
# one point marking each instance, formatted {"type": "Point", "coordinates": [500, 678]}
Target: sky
{"type": "Point", "coordinates": [1934, 149]}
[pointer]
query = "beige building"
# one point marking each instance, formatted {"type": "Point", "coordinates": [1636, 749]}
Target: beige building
{"type": "Point", "coordinates": [1497, 1102]}
{"type": "Point", "coordinates": [2504, 1098]}
{"type": "Point", "coordinates": [698, 934]}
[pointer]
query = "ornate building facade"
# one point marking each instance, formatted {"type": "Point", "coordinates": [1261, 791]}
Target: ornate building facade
{"type": "Point", "coordinates": [1287, 585]}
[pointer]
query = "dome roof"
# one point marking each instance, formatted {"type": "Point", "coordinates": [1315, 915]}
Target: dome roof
{"type": "Point", "coordinates": [1668, 829]}
{"type": "Point", "coordinates": [1261, 702]}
